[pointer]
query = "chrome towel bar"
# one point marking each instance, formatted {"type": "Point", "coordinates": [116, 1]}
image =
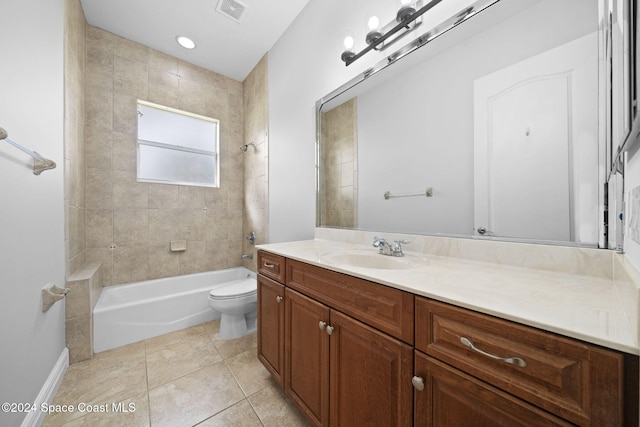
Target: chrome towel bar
{"type": "Point", "coordinates": [40, 163]}
{"type": "Point", "coordinates": [428, 193]}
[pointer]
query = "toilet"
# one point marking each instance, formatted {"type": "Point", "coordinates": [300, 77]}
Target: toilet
{"type": "Point", "coordinates": [237, 304]}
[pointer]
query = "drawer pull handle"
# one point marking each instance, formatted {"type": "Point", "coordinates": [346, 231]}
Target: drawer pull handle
{"type": "Point", "coordinates": [511, 360]}
{"type": "Point", "coordinates": [279, 299]}
{"type": "Point", "coordinates": [322, 325]}
{"type": "Point", "coordinates": [418, 383]}
{"type": "Point", "coordinates": [266, 264]}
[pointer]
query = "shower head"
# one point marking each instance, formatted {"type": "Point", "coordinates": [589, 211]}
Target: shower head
{"type": "Point", "coordinates": [246, 146]}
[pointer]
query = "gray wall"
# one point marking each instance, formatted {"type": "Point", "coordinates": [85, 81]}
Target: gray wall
{"type": "Point", "coordinates": [31, 207]}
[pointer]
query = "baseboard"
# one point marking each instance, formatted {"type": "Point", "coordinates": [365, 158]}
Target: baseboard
{"type": "Point", "coordinates": [48, 390]}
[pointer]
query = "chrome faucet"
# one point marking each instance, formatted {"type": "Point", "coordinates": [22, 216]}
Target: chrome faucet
{"type": "Point", "coordinates": [384, 248]}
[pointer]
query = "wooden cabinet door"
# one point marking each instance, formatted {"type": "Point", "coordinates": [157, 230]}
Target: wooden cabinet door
{"type": "Point", "coordinates": [271, 327]}
{"type": "Point", "coordinates": [452, 398]}
{"type": "Point", "coordinates": [307, 356]}
{"type": "Point", "coordinates": [370, 376]}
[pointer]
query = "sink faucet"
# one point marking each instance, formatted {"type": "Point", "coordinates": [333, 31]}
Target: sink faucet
{"type": "Point", "coordinates": [384, 248]}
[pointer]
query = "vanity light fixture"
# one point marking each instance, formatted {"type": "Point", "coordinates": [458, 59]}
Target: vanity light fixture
{"type": "Point", "coordinates": [406, 10]}
{"type": "Point", "coordinates": [405, 21]}
{"type": "Point", "coordinates": [374, 31]}
{"type": "Point", "coordinates": [348, 52]}
{"type": "Point", "coordinates": [185, 42]}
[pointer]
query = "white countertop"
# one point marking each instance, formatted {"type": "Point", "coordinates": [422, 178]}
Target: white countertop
{"type": "Point", "coordinates": [584, 307]}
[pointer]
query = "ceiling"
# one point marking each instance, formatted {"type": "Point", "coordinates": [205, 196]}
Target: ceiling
{"type": "Point", "coordinates": [223, 45]}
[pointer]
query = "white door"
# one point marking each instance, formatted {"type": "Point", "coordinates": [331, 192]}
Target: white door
{"type": "Point", "coordinates": [524, 140]}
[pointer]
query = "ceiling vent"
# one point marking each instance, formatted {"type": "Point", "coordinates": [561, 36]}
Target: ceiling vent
{"type": "Point", "coordinates": [232, 9]}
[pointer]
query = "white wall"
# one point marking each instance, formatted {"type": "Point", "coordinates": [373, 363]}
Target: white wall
{"type": "Point", "coordinates": [304, 66]}
{"type": "Point", "coordinates": [31, 207]}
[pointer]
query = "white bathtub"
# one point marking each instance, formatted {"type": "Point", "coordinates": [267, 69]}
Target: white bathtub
{"type": "Point", "coordinates": [128, 313]}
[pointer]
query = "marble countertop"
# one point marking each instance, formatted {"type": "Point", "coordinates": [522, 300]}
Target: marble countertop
{"type": "Point", "coordinates": [584, 307]}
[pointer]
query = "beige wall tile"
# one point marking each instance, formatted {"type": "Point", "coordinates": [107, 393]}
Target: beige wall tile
{"type": "Point", "coordinates": [78, 338]}
{"type": "Point", "coordinates": [124, 150]}
{"type": "Point", "coordinates": [193, 259]}
{"type": "Point", "coordinates": [130, 50]}
{"type": "Point", "coordinates": [164, 225]}
{"type": "Point", "coordinates": [130, 77]}
{"type": "Point", "coordinates": [131, 227]}
{"type": "Point", "coordinates": [146, 217]}
{"type": "Point", "coordinates": [77, 302]}
{"type": "Point", "coordinates": [130, 264]}
{"type": "Point", "coordinates": [97, 148]}
{"type": "Point", "coordinates": [128, 192]}
{"type": "Point", "coordinates": [163, 262]}
{"type": "Point", "coordinates": [191, 197]}
{"type": "Point", "coordinates": [105, 257]}
{"type": "Point", "coordinates": [192, 224]}
{"type": "Point", "coordinates": [163, 196]}
{"type": "Point", "coordinates": [125, 113]}
{"type": "Point", "coordinates": [99, 188]}
{"type": "Point", "coordinates": [99, 224]}
{"type": "Point", "coordinates": [216, 199]}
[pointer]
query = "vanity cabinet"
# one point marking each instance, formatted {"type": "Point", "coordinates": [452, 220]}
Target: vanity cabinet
{"type": "Point", "coordinates": [271, 327]}
{"type": "Point", "coordinates": [348, 346]}
{"type": "Point", "coordinates": [351, 352]}
{"type": "Point", "coordinates": [342, 372]}
{"type": "Point", "coordinates": [500, 372]}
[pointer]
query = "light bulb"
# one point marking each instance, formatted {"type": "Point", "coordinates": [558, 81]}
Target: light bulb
{"type": "Point", "coordinates": [374, 22]}
{"type": "Point", "coordinates": [348, 42]}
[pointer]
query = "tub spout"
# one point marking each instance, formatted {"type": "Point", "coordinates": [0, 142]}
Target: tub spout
{"type": "Point", "coordinates": [247, 256]}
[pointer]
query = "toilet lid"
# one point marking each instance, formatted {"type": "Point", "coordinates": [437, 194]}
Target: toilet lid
{"type": "Point", "coordinates": [236, 289]}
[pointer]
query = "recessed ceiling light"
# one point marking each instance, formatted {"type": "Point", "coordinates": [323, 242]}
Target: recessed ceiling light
{"type": "Point", "coordinates": [185, 42]}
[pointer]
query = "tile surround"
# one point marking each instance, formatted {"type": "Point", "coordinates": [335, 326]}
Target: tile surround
{"type": "Point", "coordinates": [129, 222]}
{"type": "Point", "coordinates": [256, 130]}
{"type": "Point", "coordinates": [75, 112]}
{"type": "Point", "coordinates": [188, 377]}
{"type": "Point", "coordinates": [85, 286]}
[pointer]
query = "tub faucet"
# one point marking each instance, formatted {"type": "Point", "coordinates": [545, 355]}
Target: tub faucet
{"type": "Point", "coordinates": [384, 248]}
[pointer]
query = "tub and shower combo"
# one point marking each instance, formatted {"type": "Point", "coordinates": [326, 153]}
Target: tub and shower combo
{"type": "Point", "coordinates": [128, 313]}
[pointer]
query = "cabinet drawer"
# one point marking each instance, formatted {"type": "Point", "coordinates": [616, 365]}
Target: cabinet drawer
{"type": "Point", "coordinates": [387, 309]}
{"type": "Point", "coordinates": [576, 381]}
{"type": "Point", "coordinates": [272, 266]}
{"type": "Point", "coordinates": [452, 398]}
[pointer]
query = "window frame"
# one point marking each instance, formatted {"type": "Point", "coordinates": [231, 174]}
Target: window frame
{"type": "Point", "coordinates": [167, 146]}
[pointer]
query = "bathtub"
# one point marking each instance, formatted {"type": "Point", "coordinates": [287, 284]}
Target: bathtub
{"type": "Point", "coordinates": [133, 312]}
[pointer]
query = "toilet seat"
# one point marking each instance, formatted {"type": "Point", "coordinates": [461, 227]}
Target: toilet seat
{"type": "Point", "coordinates": [239, 289]}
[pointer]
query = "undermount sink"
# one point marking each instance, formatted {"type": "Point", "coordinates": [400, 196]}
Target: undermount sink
{"type": "Point", "coordinates": [367, 260]}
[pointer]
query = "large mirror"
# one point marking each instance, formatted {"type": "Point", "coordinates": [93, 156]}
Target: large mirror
{"type": "Point", "coordinates": [498, 131]}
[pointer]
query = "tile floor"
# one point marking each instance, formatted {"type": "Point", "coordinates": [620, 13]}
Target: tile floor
{"type": "Point", "coordinates": [185, 378]}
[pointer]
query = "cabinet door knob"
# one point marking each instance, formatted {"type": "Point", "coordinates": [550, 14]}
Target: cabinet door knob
{"type": "Point", "coordinates": [322, 325]}
{"type": "Point", "coordinates": [279, 299]}
{"type": "Point", "coordinates": [418, 383]}
{"type": "Point", "coordinates": [329, 330]}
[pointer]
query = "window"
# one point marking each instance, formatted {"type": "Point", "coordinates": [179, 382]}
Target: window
{"type": "Point", "coordinates": [177, 147]}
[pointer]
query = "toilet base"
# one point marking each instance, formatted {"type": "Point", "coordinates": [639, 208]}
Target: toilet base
{"type": "Point", "coordinates": [237, 325]}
